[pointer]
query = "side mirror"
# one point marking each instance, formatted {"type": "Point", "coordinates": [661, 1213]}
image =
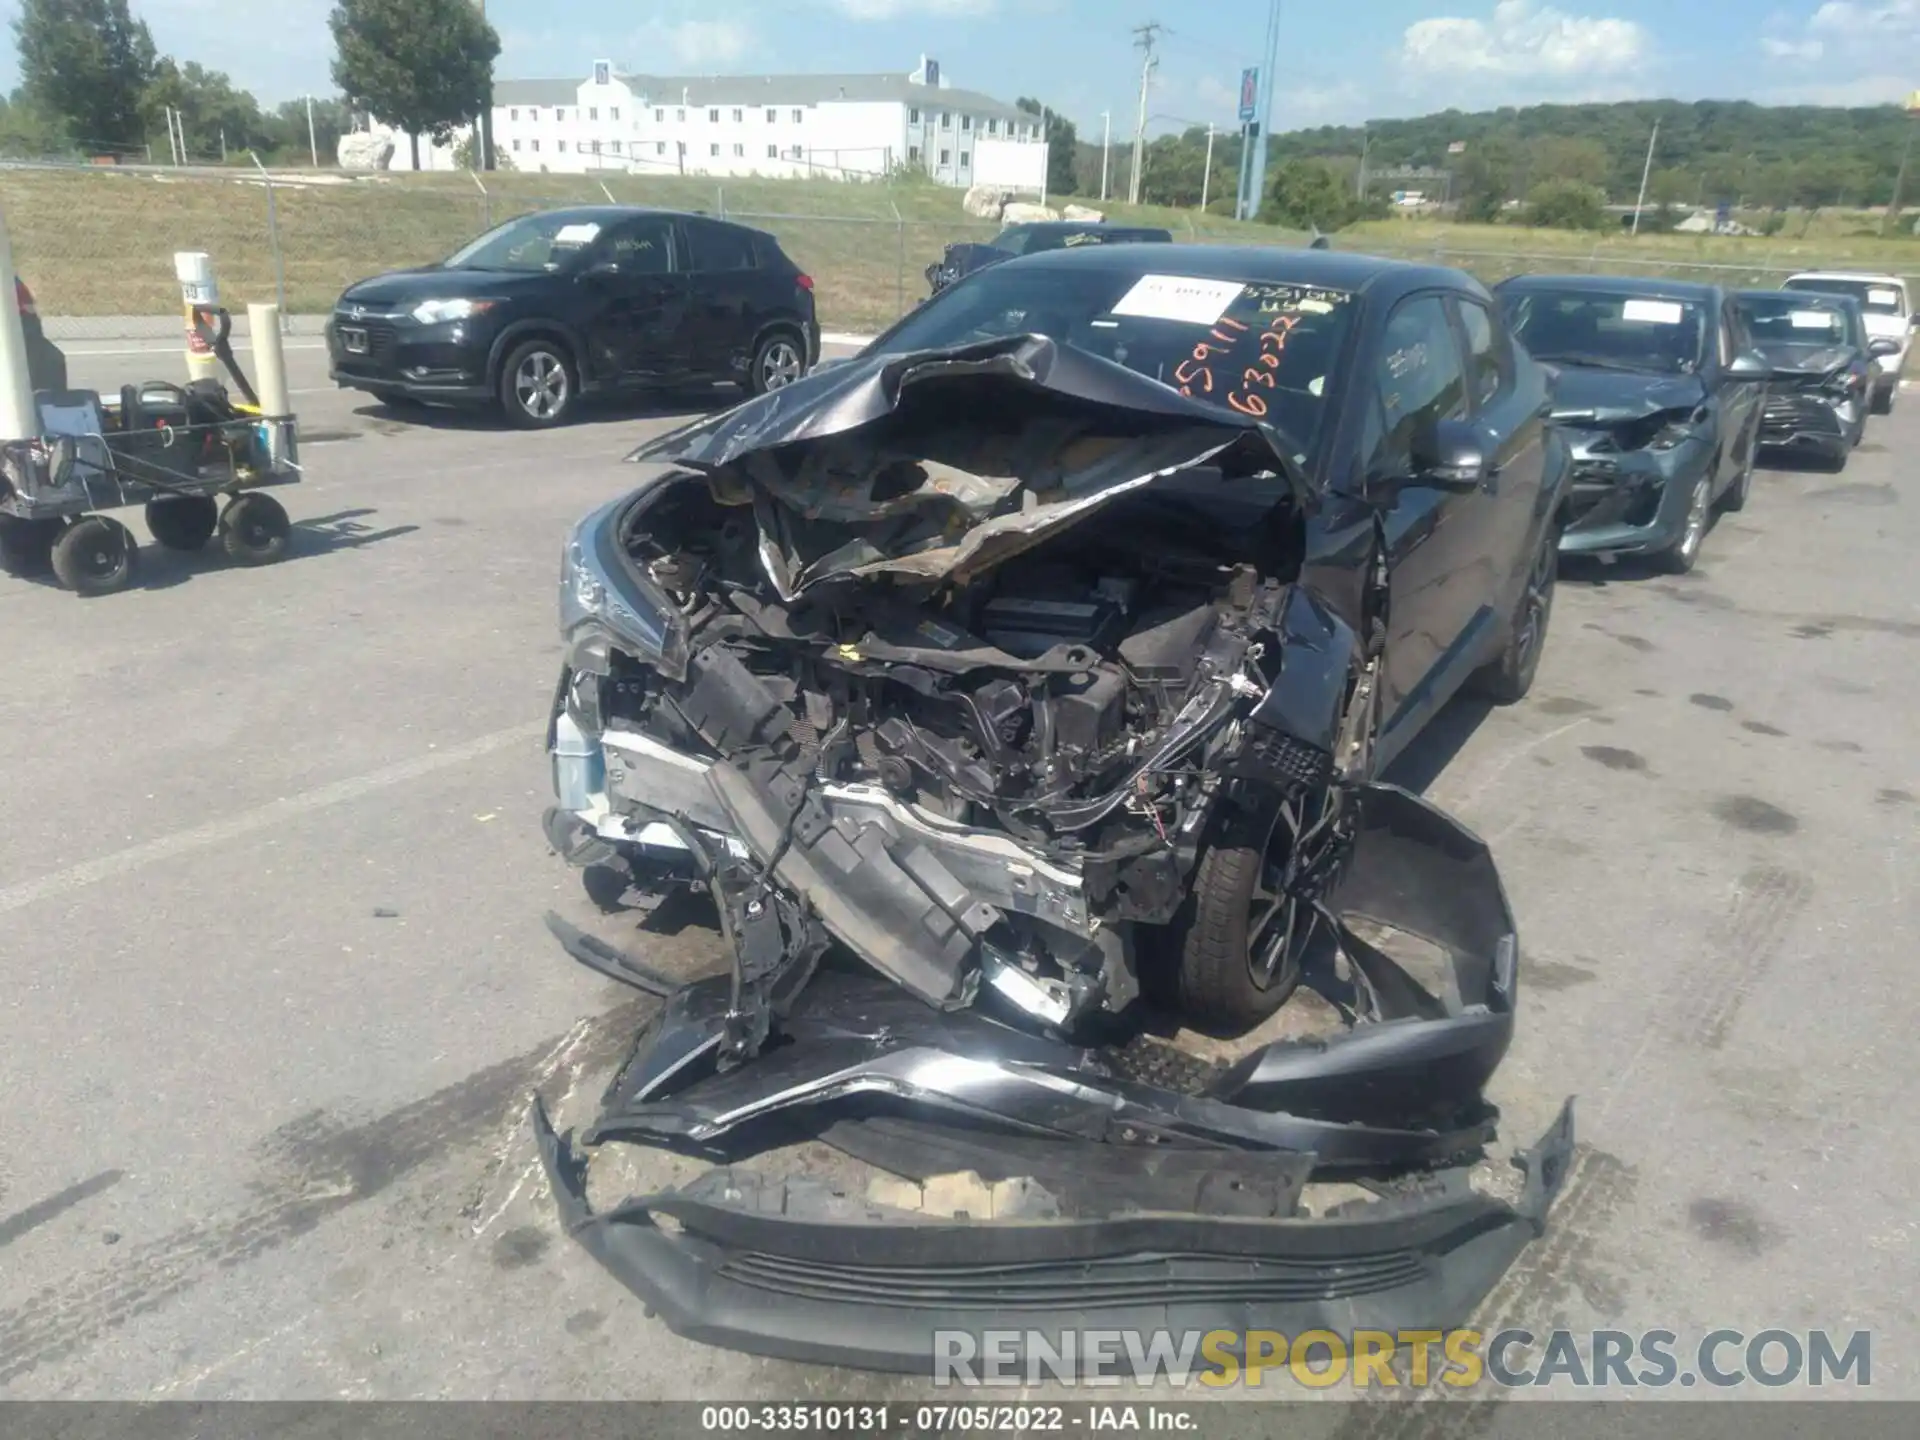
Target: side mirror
{"type": "Point", "coordinates": [1881, 348]}
{"type": "Point", "coordinates": [1449, 456]}
{"type": "Point", "coordinates": [1749, 366]}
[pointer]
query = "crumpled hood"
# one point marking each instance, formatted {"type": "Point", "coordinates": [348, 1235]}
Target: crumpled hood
{"type": "Point", "coordinates": [940, 464]}
{"type": "Point", "coordinates": [1607, 397]}
{"type": "Point", "coordinates": [1819, 359]}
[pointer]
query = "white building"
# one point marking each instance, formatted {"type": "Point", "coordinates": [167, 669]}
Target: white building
{"type": "Point", "coordinates": [846, 126]}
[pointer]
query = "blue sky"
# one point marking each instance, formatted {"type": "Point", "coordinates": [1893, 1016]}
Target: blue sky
{"type": "Point", "coordinates": [1339, 62]}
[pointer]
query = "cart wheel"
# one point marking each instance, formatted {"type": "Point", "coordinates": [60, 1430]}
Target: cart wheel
{"type": "Point", "coordinates": [254, 529]}
{"type": "Point", "coordinates": [26, 546]}
{"type": "Point", "coordinates": [96, 556]}
{"type": "Point", "coordinates": [183, 522]}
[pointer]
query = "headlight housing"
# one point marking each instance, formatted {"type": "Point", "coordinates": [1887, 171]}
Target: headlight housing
{"type": "Point", "coordinates": [439, 312]}
{"type": "Point", "coordinates": [601, 606]}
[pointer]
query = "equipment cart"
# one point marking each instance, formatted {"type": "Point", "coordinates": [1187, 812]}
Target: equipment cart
{"type": "Point", "coordinates": [194, 455]}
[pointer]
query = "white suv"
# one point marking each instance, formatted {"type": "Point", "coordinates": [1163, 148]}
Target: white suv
{"type": "Point", "coordinates": [1888, 310]}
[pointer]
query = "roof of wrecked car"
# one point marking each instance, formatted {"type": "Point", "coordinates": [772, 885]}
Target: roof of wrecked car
{"type": "Point", "coordinates": [1330, 269]}
{"type": "Point", "coordinates": [1638, 286]}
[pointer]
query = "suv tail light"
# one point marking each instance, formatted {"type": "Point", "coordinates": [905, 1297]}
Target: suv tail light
{"type": "Point", "coordinates": [805, 282]}
{"type": "Point", "coordinates": [24, 298]}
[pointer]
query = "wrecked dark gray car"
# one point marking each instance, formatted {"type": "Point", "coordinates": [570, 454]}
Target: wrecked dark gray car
{"type": "Point", "coordinates": [1018, 693]}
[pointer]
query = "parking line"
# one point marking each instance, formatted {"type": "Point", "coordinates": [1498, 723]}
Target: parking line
{"type": "Point", "coordinates": [263, 817]}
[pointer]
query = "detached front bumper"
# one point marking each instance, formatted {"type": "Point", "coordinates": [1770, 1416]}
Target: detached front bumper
{"type": "Point", "coordinates": [1630, 502]}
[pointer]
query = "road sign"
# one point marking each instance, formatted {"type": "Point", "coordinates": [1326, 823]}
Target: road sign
{"type": "Point", "coordinates": [1249, 94]}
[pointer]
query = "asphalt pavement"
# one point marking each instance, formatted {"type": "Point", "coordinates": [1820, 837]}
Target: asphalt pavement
{"type": "Point", "coordinates": [277, 987]}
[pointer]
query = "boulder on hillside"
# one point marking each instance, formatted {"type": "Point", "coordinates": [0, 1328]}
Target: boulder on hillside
{"type": "Point", "coordinates": [1020, 212]}
{"type": "Point", "coordinates": [367, 150]}
{"type": "Point", "coordinates": [986, 201]}
{"type": "Point", "coordinates": [1084, 212]}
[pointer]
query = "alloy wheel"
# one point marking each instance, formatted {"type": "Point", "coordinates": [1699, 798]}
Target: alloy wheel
{"type": "Point", "coordinates": [1298, 866]}
{"type": "Point", "coordinates": [1536, 606]}
{"type": "Point", "coordinates": [540, 385]}
{"type": "Point", "coordinates": [1699, 510]}
{"type": "Point", "coordinates": [780, 365]}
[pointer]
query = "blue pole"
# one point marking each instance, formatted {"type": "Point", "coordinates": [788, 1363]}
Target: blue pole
{"type": "Point", "coordinates": [1257, 178]}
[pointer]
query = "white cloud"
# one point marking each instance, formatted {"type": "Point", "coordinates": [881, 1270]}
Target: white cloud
{"type": "Point", "coordinates": [1523, 41]}
{"type": "Point", "coordinates": [1778, 49]}
{"type": "Point", "coordinates": [899, 9]}
{"type": "Point", "coordinates": [704, 44]}
{"type": "Point", "coordinates": [1874, 21]}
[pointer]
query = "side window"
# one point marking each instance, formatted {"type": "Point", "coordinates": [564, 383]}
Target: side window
{"type": "Point", "coordinates": [1489, 366]}
{"type": "Point", "coordinates": [718, 247]}
{"type": "Point", "coordinates": [1419, 379]}
{"type": "Point", "coordinates": [641, 247]}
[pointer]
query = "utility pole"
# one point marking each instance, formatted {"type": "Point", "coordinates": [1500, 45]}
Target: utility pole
{"type": "Point", "coordinates": [1646, 173]}
{"type": "Point", "coordinates": [1366, 148]}
{"type": "Point", "coordinates": [313, 139]}
{"type": "Point", "coordinates": [483, 123]}
{"type": "Point", "coordinates": [1206, 175]}
{"type": "Point", "coordinates": [1147, 33]}
{"type": "Point", "coordinates": [1106, 150]}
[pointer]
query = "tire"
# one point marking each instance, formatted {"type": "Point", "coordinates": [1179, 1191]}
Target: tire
{"type": "Point", "coordinates": [1883, 397]}
{"type": "Point", "coordinates": [539, 385]}
{"type": "Point", "coordinates": [26, 546]}
{"type": "Point", "coordinates": [1508, 679]}
{"type": "Point", "coordinates": [1679, 558]}
{"type": "Point", "coordinates": [1735, 500]}
{"type": "Point", "coordinates": [778, 361]}
{"type": "Point", "coordinates": [1219, 985]}
{"type": "Point", "coordinates": [96, 556]}
{"type": "Point", "coordinates": [254, 529]}
{"type": "Point", "coordinates": [183, 522]}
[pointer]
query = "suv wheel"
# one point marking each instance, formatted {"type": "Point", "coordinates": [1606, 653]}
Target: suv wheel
{"type": "Point", "coordinates": [777, 363]}
{"type": "Point", "coordinates": [1883, 396]}
{"type": "Point", "coordinates": [1508, 679]}
{"type": "Point", "coordinates": [538, 385]}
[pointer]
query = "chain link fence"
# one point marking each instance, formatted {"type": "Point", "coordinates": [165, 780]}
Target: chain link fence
{"type": "Point", "coordinates": [96, 243]}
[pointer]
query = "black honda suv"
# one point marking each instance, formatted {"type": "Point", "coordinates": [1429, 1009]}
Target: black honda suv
{"type": "Point", "coordinates": [549, 307]}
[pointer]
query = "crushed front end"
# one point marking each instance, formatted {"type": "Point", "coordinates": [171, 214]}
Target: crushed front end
{"type": "Point", "coordinates": [1635, 469]}
{"type": "Point", "coordinates": [1816, 405]}
{"type": "Point", "coordinates": [884, 665]}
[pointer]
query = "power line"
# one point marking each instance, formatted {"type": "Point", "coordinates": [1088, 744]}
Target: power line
{"type": "Point", "coordinates": [1145, 36]}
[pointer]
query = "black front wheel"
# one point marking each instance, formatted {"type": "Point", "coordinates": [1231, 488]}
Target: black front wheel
{"type": "Point", "coordinates": [1883, 398]}
{"type": "Point", "coordinates": [1508, 679]}
{"type": "Point", "coordinates": [95, 556]}
{"type": "Point", "coordinates": [254, 529]}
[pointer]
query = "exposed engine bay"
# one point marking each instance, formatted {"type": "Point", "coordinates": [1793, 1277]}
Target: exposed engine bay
{"type": "Point", "coordinates": [975, 662]}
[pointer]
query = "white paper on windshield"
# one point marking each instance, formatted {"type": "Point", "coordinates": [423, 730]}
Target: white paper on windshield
{"type": "Point", "coordinates": [1652, 312]}
{"type": "Point", "coordinates": [1811, 320]}
{"type": "Point", "coordinates": [1179, 297]}
{"type": "Point", "coordinates": [582, 234]}
{"type": "Point", "coordinates": [1883, 297]}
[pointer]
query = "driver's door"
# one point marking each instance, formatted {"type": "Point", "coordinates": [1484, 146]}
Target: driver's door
{"type": "Point", "coordinates": [635, 295]}
{"type": "Point", "coordinates": [1740, 399]}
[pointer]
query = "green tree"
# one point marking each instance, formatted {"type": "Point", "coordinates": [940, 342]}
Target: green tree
{"type": "Point", "coordinates": [422, 66]}
{"type": "Point", "coordinates": [1485, 179]}
{"type": "Point", "coordinates": [287, 135]}
{"type": "Point", "coordinates": [213, 114]}
{"type": "Point", "coordinates": [1567, 205]}
{"type": "Point", "coordinates": [1309, 194]}
{"type": "Point", "coordinates": [1063, 146]}
{"type": "Point", "coordinates": [1559, 157]}
{"type": "Point", "coordinates": [27, 131]}
{"type": "Point", "coordinates": [87, 62]}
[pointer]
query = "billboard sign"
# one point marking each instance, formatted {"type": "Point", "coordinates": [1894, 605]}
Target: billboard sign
{"type": "Point", "coordinates": [1249, 94]}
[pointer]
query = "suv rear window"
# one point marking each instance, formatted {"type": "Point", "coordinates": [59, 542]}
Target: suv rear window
{"type": "Point", "coordinates": [719, 247]}
{"type": "Point", "coordinates": [1875, 297]}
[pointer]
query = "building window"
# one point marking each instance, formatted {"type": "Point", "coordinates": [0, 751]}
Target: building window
{"type": "Point", "coordinates": [966, 122]}
{"type": "Point", "coordinates": [913, 117]}
{"type": "Point", "coordinates": [966, 159]}
{"type": "Point", "coordinates": [798, 115]}
{"type": "Point", "coordinates": [738, 116]}
{"type": "Point", "coordinates": [993, 127]}
{"type": "Point", "coordinates": [516, 144]}
{"type": "Point", "coordinates": [946, 157]}
{"type": "Point", "coordinates": [594, 146]}
{"type": "Point", "coordinates": [614, 113]}
{"type": "Point", "coordinates": [796, 153]}
{"type": "Point", "coordinates": [946, 119]}
{"type": "Point", "coordinates": [559, 115]}
{"type": "Point", "coordinates": [913, 152]}
{"type": "Point", "coordinates": [660, 115]}
{"type": "Point", "coordinates": [713, 150]}
{"type": "Point", "coordinates": [513, 114]}
{"type": "Point", "coordinates": [713, 116]}
{"type": "Point", "coordinates": [534, 145]}
{"type": "Point", "coordinates": [773, 152]}
{"type": "Point", "coordinates": [614, 145]}
{"type": "Point", "coordinates": [680, 115]}
{"type": "Point", "coordinates": [563, 147]}
{"type": "Point", "coordinates": [772, 116]}
{"type": "Point", "coordinates": [739, 150]}
{"type": "Point", "coordinates": [593, 112]}
{"type": "Point", "coordinates": [659, 147]}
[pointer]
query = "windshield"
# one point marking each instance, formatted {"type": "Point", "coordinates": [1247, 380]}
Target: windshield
{"type": "Point", "coordinates": [1875, 298]}
{"type": "Point", "coordinates": [532, 243]}
{"type": "Point", "coordinates": [1799, 320]}
{"type": "Point", "coordinates": [1608, 331]}
{"type": "Point", "coordinates": [1256, 347]}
